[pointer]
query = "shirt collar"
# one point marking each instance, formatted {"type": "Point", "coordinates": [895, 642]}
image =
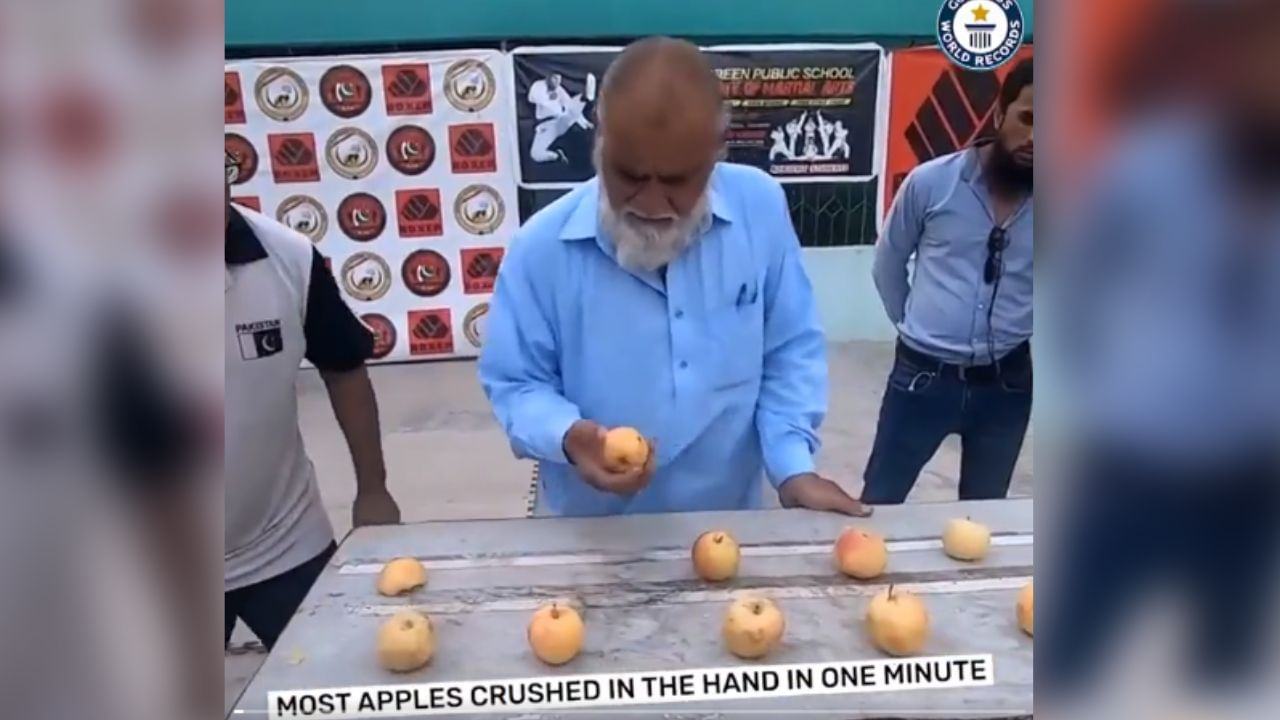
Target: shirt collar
{"type": "Point", "coordinates": [242, 246]}
{"type": "Point", "coordinates": [972, 171]}
{"type": "Point", "coordinates": [583, 221]}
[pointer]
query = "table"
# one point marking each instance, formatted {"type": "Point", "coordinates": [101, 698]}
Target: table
{"type": "Point", "coordinates": [646, 610]}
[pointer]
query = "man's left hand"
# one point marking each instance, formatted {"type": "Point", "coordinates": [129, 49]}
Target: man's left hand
{"type": "Point", "coordinates": [810, 490]}
{"type": "Point", "coordinates": [374, 508]}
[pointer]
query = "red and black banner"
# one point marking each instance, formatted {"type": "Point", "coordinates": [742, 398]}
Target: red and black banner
{"type": "Point", "coordinates": [936, 108]}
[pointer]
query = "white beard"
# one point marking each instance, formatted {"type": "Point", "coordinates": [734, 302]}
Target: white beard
{"type": "Point", "coordinates": [645, 244]}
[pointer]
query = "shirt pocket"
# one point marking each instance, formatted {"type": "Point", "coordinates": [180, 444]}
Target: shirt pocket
{"type": "Point", "coordinates": [737, 331]}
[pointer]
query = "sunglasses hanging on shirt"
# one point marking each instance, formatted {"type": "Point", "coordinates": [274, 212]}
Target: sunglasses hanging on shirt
{"type": "Point", "coordinates": [997, 241]}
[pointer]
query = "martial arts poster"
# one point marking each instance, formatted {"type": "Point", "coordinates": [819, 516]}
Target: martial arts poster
{"type": "Point", "coordinates": [795, 111]}
{"type": "Point", "coordinates": [798, 112]}
{"type": "Point", "coordinates": [398, 169]}
{"type": "Point", "coordinates": [937, 108]}
{"type": "Point", "coordinates": [555, 99]}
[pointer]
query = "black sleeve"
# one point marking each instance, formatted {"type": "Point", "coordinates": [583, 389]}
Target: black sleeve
{"type": "Point", "coordinates": [336, 339]}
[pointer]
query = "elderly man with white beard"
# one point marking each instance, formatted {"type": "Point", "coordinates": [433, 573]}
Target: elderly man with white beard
{"type": "Point", "coordinates": [666, 294]}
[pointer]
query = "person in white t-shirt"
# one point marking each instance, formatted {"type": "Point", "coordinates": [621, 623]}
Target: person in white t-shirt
{"type": "Point", "coordinates": [282, 306]}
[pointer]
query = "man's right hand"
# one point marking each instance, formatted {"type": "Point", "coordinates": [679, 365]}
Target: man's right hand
{"type": "Point", "coordinates": [584, 445]}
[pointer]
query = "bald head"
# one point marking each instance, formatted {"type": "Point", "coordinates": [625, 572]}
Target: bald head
{"type": "Point", "coordinates": [661, 68]}
{"type": "Point", "coordinates": [661, 128]}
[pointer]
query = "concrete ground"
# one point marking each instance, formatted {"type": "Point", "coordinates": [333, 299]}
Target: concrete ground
{"type": "Point", "coordinates": [447, 458]}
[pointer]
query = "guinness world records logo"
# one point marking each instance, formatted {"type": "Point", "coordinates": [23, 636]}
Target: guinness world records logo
{"type": "Point", "coordinates": [980, 34]}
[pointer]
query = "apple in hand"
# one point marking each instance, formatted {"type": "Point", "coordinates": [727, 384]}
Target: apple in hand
{"type": "Point", "coordinates": [406, 642]}
{"type": "Point", "coordinates": [715, 556]}
{"type": "Point", "coordinates": [1026, 609]}
{"type": "Point", "coordinates": [555, 633]}
{"type": "Point", "coordinates": [625, 449]}
{"type": "Point", "coordinates": [897, 622]}
{"type": "Point", "coordinates": [752, 627]}
{"type": "Point", "coordinates": [400, 576]}
{"type": "Point", "coordinates": [965, 539]}
{"type": "Point", "coordinates": [861, 553]}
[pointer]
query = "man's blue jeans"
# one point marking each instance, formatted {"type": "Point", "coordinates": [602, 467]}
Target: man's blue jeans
{"type": "Point", "coordinates": [925, 400]}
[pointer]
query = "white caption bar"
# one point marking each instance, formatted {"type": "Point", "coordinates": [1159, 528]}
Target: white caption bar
{"type": "Point", "coordinates": [635, 688]}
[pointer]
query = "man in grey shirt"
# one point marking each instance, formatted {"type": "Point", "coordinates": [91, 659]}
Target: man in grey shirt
{"type": "Point", "coordinates": [963, 360]}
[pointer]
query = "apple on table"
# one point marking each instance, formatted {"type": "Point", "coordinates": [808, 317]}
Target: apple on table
{"type": "Point", "coordinates": [716, 555]}
{"type": "Point", "coordinates": [555, 633]}
{"type": "Point", "coordinates": [406, 641]}
{"type": "Point", "coordinates": [753, 627]}
{"type": "Point", "coordinates": [965, 539]}
{"type": "Point", "coordinates": [897, 622]}
{"type": "Point", "coordinates": [861, 553]}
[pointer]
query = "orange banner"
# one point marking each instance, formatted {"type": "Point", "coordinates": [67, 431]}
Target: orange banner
{"type": "Point", "coordinates": [936, 108]}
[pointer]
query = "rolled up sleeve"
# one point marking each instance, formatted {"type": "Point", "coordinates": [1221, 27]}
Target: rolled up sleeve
{"type": "Point", "coordinates": [519, 366]}
{"type": "Point", "coordinates": [793, 392]}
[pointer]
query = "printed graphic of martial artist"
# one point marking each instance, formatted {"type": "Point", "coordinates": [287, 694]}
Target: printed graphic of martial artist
{"type": "Point", "coordinates": [557, 110]}
{"type": "Point", "coordinates": [834, 136]}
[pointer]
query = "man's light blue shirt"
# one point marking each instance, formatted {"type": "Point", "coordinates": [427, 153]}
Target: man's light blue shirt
{"type": "Point", "coordinates": [943, 215]}
{"type": "Point", "coordinates": [721, 359]}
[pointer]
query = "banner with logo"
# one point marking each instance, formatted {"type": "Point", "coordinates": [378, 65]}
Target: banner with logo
{"type": "Point", "coordinates": [795, 110]}
{"type": "Point", "coordinates": [398, 168]}
{"type": "Point", "coordinates": [935, 108]}
{"type": "Point", "coordinates": [803, 113]}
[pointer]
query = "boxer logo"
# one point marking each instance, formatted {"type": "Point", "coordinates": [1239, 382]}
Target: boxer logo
{"type": "Point", "coordinates": [480, 269]}
{"type": "Point", "coordinates": [304, 214]}
{"type": "Point", "coordinates": [430, 332]}
{"type": "Point", "coordinates": [407, 89]}
{"type": "Point", "coordinates": [479, 209]}
{"type": "Point", "coordinates": [473, 325]}
{"type": "Point", "coordinates": [345, 91]}
{"type": "Point", "coordinates": [241, 159]}
{"type": "Point", "coordinates": [426, 273]}
{"type": "Point", "coordinates": [361, 217]}
{"type": "Point", "coordinates": [232, 99]}
{"type": "Point", "coordinates": [471, 148]}
{"type": "Point", "coordinates": [259, 339]}
{"type": "Point", "coordinates": [281, 94]}
{"type": "Point", "coordinates": [469, 85]}
{"type": "Point", "coordinates": [293, 157]}
{"type": "Point", "coordinates": [351, 153]}
{"type": "Point", "coordinates": [418, 213]}
{"type": "Point", "coordinates": [384, 334]}
{"type": "Point", "coordinates": [365, 276]}
{"type": "Point", "coordinates": [410, 149]}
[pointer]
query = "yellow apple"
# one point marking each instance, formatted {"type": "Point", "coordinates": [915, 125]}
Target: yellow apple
{"type": "Point", "coordinates": [406, 642]}
{"type": "Point", "coordinates": [861, 553]}
{"type": "Point", "coordinates": [555, 633]}
{"type": "Point", "coordinates": [1026, 609]}
{"type": "Point", "coordinates": [400, 576]}
{"type": "Point", "coordinates": [752, 627]}
{"type": "Point", "coordinates": [965, 539]}
{"type": "Point", "coordinates": [715, 556]}
{"type": "Point", "coordinates": [625, 449]}
{"type": "Point", "coordinates": [897, 622]}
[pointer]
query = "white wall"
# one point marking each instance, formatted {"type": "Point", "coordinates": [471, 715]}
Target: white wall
{"type": "Point", "coordinates": [847, 299]}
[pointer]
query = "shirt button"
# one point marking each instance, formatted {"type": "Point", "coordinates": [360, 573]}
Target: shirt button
{"type": "Point", "coordinates": [679, 314]}
{"type": "Point", "coordinates": [684, 364]}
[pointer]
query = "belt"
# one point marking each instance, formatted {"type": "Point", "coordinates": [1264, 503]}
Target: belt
{"type": "Point", "coordinates": [1016, 358]}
